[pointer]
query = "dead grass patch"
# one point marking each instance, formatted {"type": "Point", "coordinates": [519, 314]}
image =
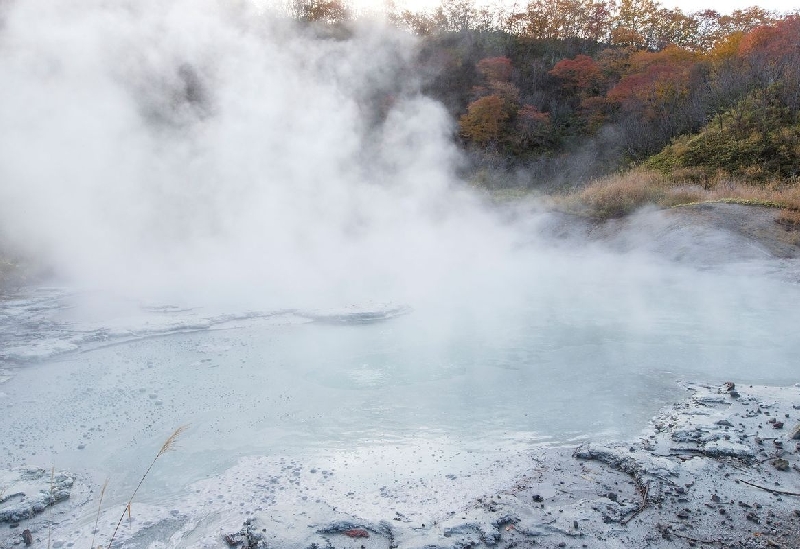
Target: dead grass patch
{"type": "Point", "coordinates": [622, 194]}
{"type": "Point", "coordinates": [789, 220]}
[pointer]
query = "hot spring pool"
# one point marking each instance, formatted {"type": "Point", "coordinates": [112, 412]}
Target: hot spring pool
{"type": "Point", "coordinates": [425, 402]}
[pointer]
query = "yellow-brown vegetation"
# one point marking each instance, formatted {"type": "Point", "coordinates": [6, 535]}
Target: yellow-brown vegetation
{"type": "Point", "coordinates": [622, 194]}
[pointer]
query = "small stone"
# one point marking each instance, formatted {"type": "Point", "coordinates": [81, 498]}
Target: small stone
{"type": "Point", "coordinates": [715, 498]}
{"type": "Point", "coordinates": [781, 464]}
{"type": "Point", "coordinates": [537, 498]}
{"type": "Point", "coordinates": [27, 537]}
{"type": "Point", "coordinates": [796, 433]}
{"type": "Point", "coordinates": [728, 386]}
{"type": "Point", "coordinates": [734, 394]}
{"type": "Point", "coordinates": [612, 496]}
{"type": "Point", "coordinates": [777, 425]}
{"type": "Point", "coordinates": [722, 511]}
{"type": "Point", "coordinates": [683, 514]}
{"type": "Point", "coordinates": [575, 524]}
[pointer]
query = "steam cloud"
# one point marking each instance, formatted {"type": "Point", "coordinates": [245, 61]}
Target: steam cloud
{"type": "Point", "coordinates": [197, 147]}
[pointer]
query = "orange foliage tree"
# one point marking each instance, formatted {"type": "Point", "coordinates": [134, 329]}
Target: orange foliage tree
{"type": "Point", "coordinates": [485, 119]}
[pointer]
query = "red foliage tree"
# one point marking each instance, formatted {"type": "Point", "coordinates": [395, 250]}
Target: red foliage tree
{"type": "Point", "coordinates": [579, 75]}
{"type": "Point", "coordinates": [495, 69]}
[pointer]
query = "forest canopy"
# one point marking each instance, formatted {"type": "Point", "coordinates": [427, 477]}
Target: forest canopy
{"type": "Point", "coordinates": [603, 84]}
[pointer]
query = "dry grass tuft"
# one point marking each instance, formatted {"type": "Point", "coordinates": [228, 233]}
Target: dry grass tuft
{"type": "Point", "coordinates": [99, 507]}
{"type": "Point", "coordinates": [622, 194]}
{"type": "Point", "coordinates": [789, 219]}
{"type": "Point", "coordinates": [50, 506]}
{"type": "Point", "coordinates": [616, 195]}
{"type": "Point", "coordinates": [171, 442]}
{"type": "Point", "coordinates": [169, 445]}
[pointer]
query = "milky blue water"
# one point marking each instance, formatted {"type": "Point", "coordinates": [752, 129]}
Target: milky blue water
{"type": "Point", "coordinates": [469, 380]}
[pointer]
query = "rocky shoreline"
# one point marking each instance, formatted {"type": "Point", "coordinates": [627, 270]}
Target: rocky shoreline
{"type": "Point", "coordinates": [719, 469]}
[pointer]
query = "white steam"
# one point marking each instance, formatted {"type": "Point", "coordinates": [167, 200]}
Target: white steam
{"type": "Point", "coordinates": [161, 146]}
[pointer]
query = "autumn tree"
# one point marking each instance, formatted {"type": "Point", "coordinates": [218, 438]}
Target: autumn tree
{"type": "Point", "coordinates": [485, 119]}
{"type": "Point", "coordinates": [636, 23]}
{"type": "Point", "coordinates": [578, 76]}
{"type": "Point", "coordinates": [320, 11]}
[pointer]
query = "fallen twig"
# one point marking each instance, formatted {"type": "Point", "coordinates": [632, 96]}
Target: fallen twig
{"type": "Point", "coordinates": [696, 540]}
{"type": "Point", "coordinates": [643, 490]}
{"type": "Point", "coordinates": [770, 490]}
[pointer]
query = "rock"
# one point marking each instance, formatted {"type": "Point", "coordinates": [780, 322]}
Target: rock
{"type": "Point", "coordinates": [781, 464]}
{"type": "Point", "coordinates": [340, 527]}
{"type": "Point", "coordinates": [247, 538]}
{"type": "Point", "coordinates": [27, 537]}
{"type": "Point", "coordinates": [36, 489]}
{"type": "Point", "coordinates": [710, 400]}
{"type": "Point", "coordinates": [796, 432]}
{"type": "Point", "coordinates": [462, 529]}
{"type": "Point", "coordinates": [726, 448]}
{"type": "Point", "coordinates": [777, 425]}
{"type": "Point", "coordinates": [695, 435]}
{"type": "Point", "coordinates": [505, 520]}
{"type": "Point", "coordinates": [356, 533]}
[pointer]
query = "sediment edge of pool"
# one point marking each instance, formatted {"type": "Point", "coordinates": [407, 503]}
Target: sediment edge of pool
{"type": "Point", "coordinates": [720, 468]}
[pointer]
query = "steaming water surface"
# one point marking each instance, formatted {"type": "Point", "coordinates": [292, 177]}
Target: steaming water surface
{"type": "Point", "coordinates": [278, 253]}
{"type": "Point", "coordinates": [444, 387]}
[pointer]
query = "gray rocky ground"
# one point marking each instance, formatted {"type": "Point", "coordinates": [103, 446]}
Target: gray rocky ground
{"type": "Point", "coordinates": [720, 469]}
